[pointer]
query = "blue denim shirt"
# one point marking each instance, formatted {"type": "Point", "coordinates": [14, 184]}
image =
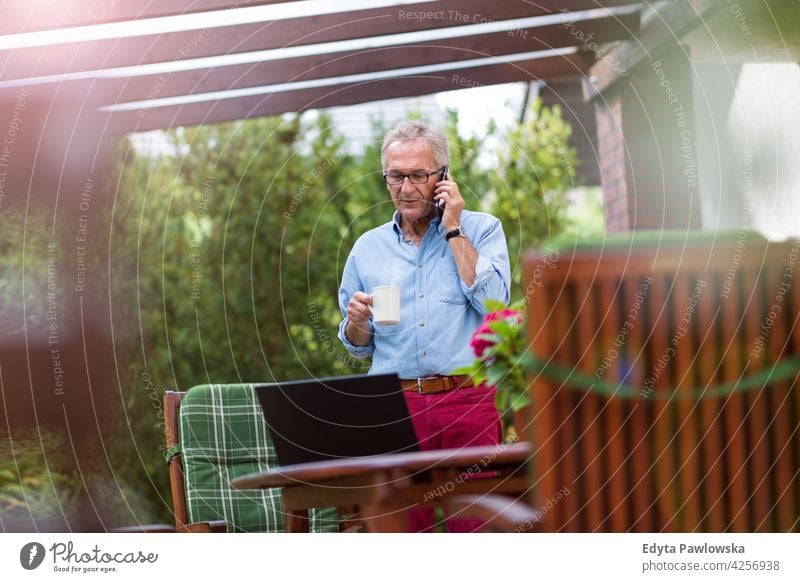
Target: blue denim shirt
{"type": "Point", "coordinates": [438, 312]}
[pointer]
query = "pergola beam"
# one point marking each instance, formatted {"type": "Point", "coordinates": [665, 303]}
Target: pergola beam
{"type": "Point", "coordinates": [32, 15]}
{"type": "Point", "coordinates": [141, 88]}
{"type": "Point", "coordinates": [217, 111]}
{"type": "Point", "coordinates": [23, 63]}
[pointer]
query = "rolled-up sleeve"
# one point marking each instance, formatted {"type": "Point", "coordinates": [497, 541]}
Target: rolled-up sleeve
{"type": "Point", "coordinates": [351, 282]}
{"type": "Point", "coordinates": [492, 271]}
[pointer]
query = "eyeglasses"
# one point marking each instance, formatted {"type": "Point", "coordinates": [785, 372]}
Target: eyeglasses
{"type": "Point", "coordinates": [395, 178]}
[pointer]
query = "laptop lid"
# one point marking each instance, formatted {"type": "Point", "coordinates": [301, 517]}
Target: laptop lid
{"type": "Point", "coordinates": [330, 418]}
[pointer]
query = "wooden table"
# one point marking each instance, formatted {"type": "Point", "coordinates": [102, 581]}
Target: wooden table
{"type": "Point", "coordinates": [382, 488]}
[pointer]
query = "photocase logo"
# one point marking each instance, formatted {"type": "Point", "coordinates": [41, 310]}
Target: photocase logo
{"type": "Point", "coordinates": [31, 555]}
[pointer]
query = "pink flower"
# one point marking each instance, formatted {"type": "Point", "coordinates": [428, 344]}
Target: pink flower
{"type": "Point", "coordinates": [513, 314]}
{"type": "Point", "coordinates": [481, 344]}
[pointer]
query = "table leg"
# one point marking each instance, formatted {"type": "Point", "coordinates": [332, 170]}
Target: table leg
{"type": "Point", "coordinates": [383, 518]}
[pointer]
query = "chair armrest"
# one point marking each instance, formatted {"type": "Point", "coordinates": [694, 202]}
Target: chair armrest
{"type": "Point", "coordinates": [501, 513]}
{"type": "Point", "coordinates": [215, 526]}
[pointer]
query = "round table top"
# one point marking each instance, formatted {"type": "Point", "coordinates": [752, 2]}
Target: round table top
{"type": "Point", "coordinates": [293, 475]}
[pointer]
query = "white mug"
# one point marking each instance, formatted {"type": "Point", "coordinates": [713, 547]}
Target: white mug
{"type": "Point", "coordinates": [386, 305]}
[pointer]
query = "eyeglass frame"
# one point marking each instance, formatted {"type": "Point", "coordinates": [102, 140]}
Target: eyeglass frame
{"type": "Point", "coordinates": [442, 170]}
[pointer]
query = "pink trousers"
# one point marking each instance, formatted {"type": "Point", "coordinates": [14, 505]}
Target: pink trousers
{"type": "Point", "coordinates": [465, 417]}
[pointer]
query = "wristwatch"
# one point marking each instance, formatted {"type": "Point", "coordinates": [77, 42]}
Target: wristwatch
{"type": "Point", "coordinates": [454, 233]}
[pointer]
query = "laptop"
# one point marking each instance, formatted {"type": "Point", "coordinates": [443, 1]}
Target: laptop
{"type": "Point", "coordinates": [320, 419]}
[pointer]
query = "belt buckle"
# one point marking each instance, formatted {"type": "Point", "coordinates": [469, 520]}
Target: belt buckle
{"type": "Point", "coordinates": [421, 380]}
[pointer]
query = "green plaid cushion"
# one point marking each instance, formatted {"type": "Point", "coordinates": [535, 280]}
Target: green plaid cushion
{"type": "Point", "coordinates": [223, 436]}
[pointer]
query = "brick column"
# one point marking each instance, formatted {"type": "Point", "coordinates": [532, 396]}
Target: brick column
{"type": "Point", "coordinates": [647, 154]}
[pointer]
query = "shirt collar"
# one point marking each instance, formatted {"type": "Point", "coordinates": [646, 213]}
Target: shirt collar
{"type": "Point", "coordinates": [436, 222]}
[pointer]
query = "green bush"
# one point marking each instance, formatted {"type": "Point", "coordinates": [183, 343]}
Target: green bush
{"type": "Point", "coordinates": [37, 479]}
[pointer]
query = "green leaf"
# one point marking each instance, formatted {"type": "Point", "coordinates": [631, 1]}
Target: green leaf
{"type": "Point", "coordinates": [497, 373]}
{"type": "Point", "coordinates": [501, 400]}
{"type": "Point", "coordinates": [503, 328]}
{"type": "Point", "coordinates": [7, 476]}
{"type": "Point", "coordinates": [520, 400]}
{"type": "Point", "coordinates": [493, 305]}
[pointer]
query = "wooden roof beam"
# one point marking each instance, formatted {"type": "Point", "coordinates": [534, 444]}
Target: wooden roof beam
{"type": "Point", "coordinates": [33, 15]}
{"type": "Point", "coordinates": [22, 63]}
{"type": "Point", "coordinates": [550, 67]}
{"type": "Point", "coordinates": [141, 88]}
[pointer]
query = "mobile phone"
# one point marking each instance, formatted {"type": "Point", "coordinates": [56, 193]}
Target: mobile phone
{"type": "Point", "coordinates": [440, 203]}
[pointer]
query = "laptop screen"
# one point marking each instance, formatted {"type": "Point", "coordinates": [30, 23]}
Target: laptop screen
{"type": "Point", "coordinates": [330, 418]}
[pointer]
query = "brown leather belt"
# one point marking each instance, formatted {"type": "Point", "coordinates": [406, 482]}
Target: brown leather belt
{"type": "Point", "coordinates": [434, 384]}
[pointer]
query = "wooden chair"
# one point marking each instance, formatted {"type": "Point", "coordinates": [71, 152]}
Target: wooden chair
{"type": "Point", "coordinates": [666, 397]}
{"type": "Point", "coordinates": [215, 433]}
{"type": "Point", "coordinates": [172, 402]}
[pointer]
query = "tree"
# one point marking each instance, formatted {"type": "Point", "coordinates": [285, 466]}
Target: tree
{"type": "Point", "coordinates": [535, 168]}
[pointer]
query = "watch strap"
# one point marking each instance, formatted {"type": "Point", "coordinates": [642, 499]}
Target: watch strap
{"type": "Point", "coordinates": [453, 233]}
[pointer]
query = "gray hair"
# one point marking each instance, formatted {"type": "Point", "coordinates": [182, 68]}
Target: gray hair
{"type": "Point", "coordinates": [409, 130]}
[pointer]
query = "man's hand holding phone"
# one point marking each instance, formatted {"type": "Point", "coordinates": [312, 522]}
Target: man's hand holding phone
{"type": "Point", "coordinates": [449, 201]}
{"type": "Point", "coordinates": [440, 202]}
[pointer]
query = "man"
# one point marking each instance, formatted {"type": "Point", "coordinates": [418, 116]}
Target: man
{"type": "Point", "coordinates": [446, 261]}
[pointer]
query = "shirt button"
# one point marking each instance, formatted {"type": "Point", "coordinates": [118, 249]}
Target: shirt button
{"type": "Point", "coordinates": [420, 265]}
{"type": "Point", "coordinates": [421, 295]}
{"type": "Point", "coordinates": [422, 324]}
{"type": "Point", "coordinates": [424, 354]}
